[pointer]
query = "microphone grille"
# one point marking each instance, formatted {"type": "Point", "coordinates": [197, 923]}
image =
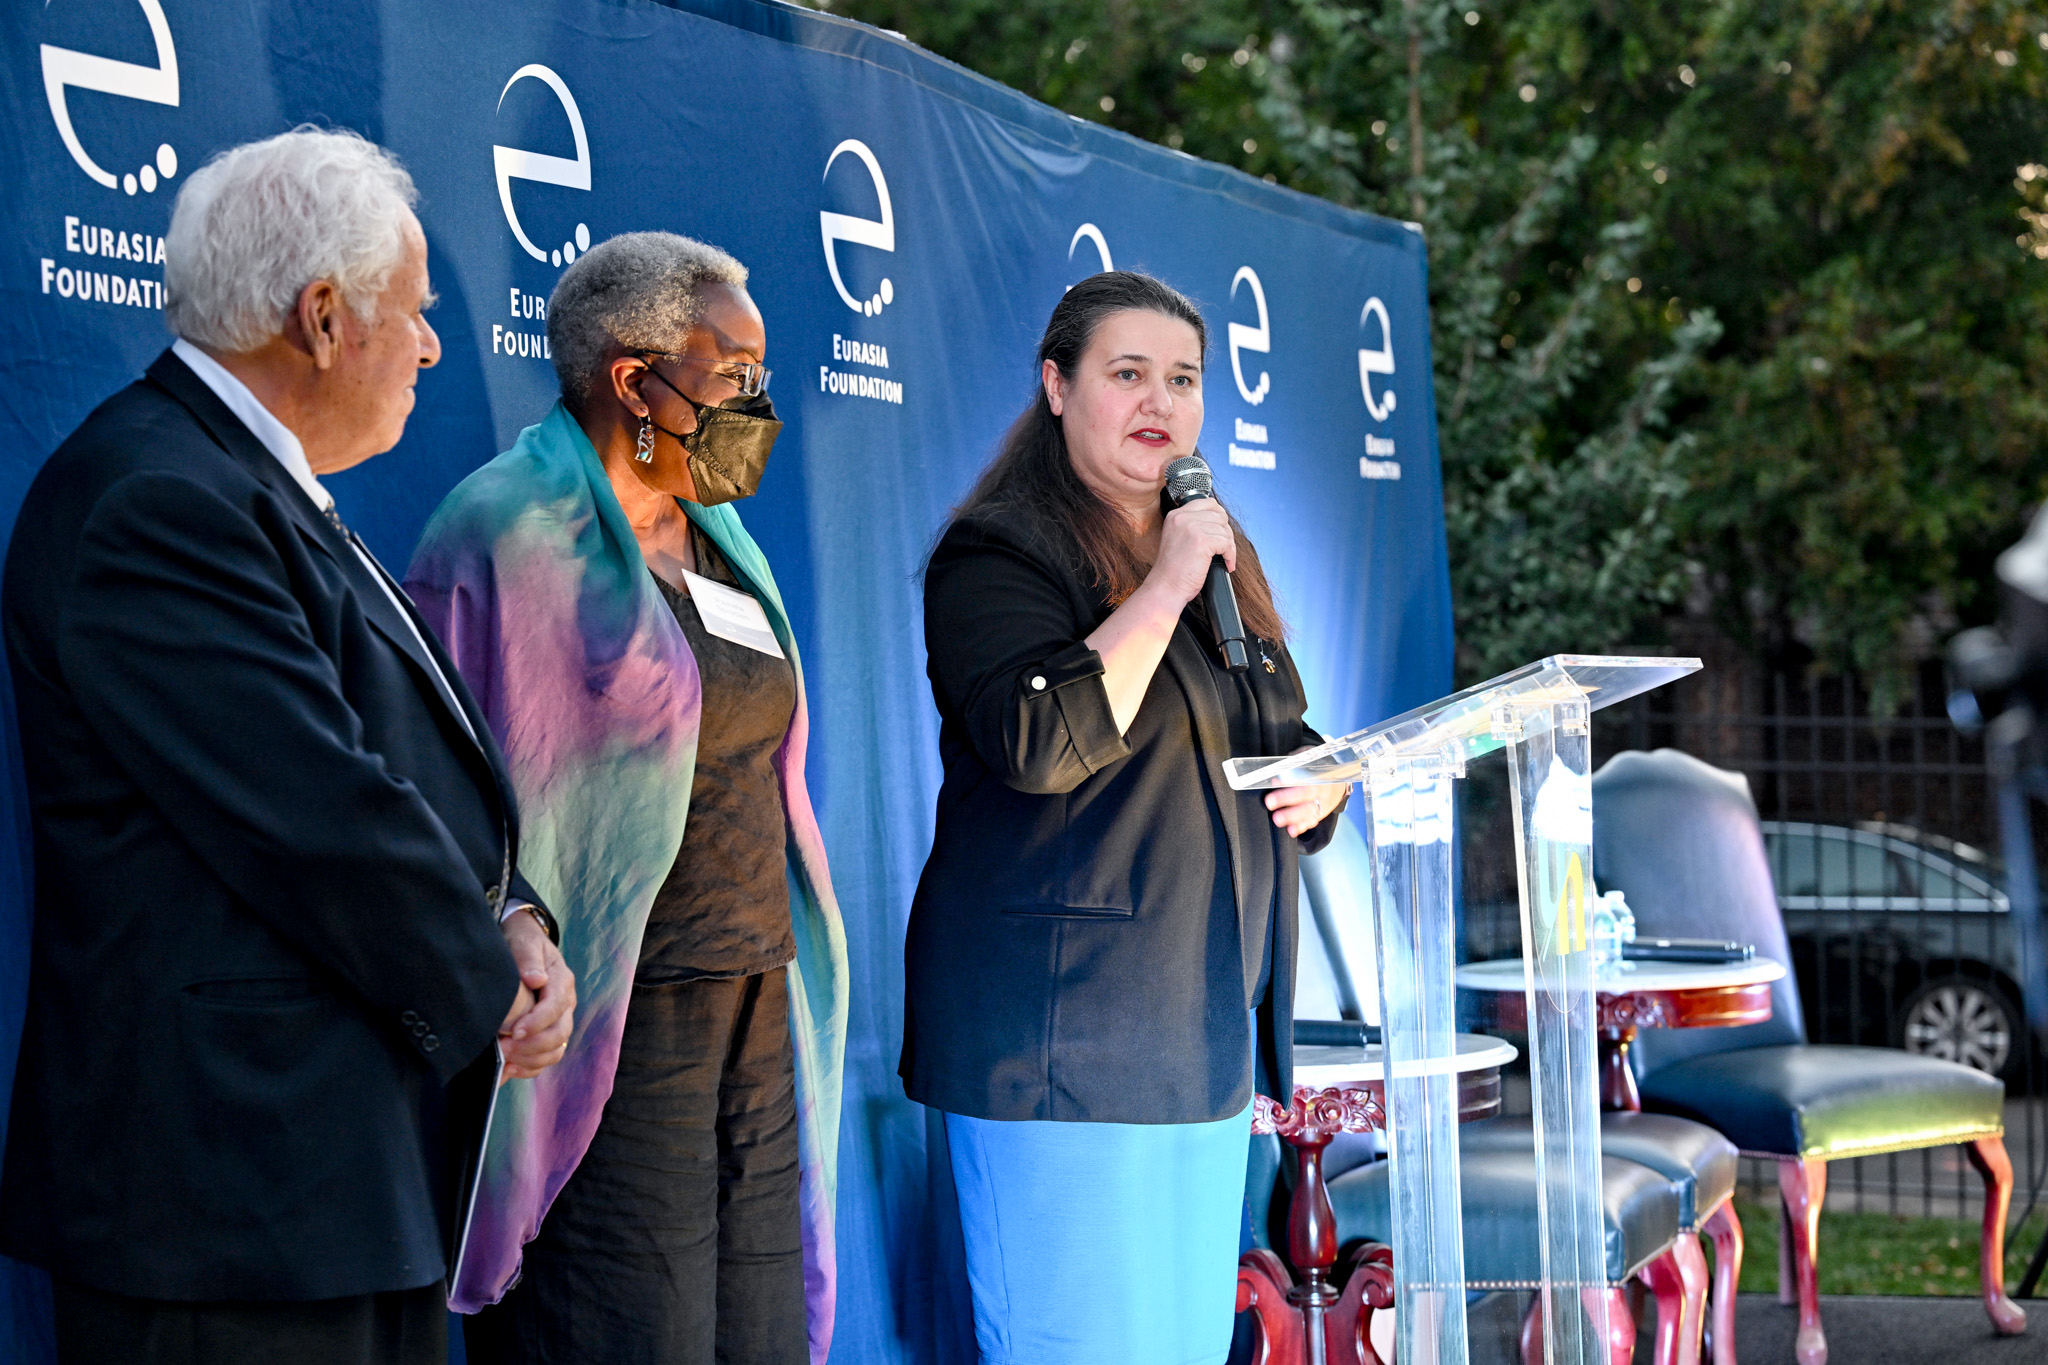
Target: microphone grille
{"type": "Point", "coordinates": [1187, 478]}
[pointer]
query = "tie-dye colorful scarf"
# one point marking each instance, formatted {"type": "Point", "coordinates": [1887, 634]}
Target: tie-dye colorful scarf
{"type": "Point", "coordinates": [531, 575]}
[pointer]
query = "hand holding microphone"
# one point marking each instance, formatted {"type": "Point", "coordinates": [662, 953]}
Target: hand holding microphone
{"type": "Point", "coordinates": [1197, 547]}
{"type": "Point", "coordinates": [1192, 492]}
{"type": "Point", "coordinates": [1191, 538]}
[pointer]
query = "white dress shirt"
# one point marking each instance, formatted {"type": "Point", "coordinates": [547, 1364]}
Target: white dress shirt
{"type": "Point", "coordinates": [283, 444]}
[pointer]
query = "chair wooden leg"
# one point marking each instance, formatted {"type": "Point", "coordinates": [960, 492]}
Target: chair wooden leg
{"type": "Point", "coordinates": [1667, 1287]}
{"type": "Point", "coordinates": [1621, 1326]}
{"type": "Point", "coordinates": [1532, 1331]}
{"type": "Point", "coordinates": [1724, 1229]}
{"type": "Point", "coordinates": [1988, 1156]}
{"type": "Point", "coordinates": [1788, 1291]}
{"type": "Point", "coordinates": [1804, 1185]}
{"type": "Point", "coordinates": [1678, 1281]}
{"type": "Point", "coordinates": [1692, 1269]}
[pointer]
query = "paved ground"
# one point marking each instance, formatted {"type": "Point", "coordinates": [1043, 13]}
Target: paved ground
{"type": "Point", "coordinates": [1861, 1331]}
{"type": "Point", "coordinates": [1887, 1332]}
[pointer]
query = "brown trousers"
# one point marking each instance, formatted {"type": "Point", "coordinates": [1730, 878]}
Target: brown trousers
{"type": "Point", "coordinates": [677, 1240]}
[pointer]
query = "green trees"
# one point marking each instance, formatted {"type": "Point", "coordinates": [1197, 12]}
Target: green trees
{"type": "Point", "coordinates": [1738, 306]}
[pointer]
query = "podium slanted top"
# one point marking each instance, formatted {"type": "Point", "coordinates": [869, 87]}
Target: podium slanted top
{"type": "Point", "coordinates": [1465, 725]}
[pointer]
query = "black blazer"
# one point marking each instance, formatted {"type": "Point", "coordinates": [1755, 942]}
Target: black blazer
{"type": "Point", "coordinates": [262, 950]}
{"type": "Point", "coordinates": [1062, 961]}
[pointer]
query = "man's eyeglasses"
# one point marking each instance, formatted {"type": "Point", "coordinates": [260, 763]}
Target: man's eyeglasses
{"type": "Point", "coordinates": [751, 380]}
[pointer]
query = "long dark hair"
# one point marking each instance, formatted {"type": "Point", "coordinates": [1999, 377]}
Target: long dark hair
{"type": "Point", "coordinates": [1032, 478]}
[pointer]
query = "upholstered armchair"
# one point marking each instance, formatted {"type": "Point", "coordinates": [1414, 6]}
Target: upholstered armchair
{"type": "Point", "coordinates": [1681, 840]}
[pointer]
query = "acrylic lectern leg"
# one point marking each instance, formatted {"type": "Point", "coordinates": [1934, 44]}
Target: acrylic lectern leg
{"type": "Point", "coordinates": [1410, 823]}
{"type": "Point", "coordinates": [1549, 768]}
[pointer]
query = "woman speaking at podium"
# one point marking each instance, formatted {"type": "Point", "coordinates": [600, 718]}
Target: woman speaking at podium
{"type": "Point", "coordinates": [1100, 958]}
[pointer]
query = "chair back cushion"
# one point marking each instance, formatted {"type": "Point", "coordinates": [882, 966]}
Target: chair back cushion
{"type": "Point", "coordinates": [1680, 839]}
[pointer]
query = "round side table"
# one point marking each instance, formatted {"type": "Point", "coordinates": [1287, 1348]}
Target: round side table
{"type": "Point", "coordinates": [1340, 1090]}
{"type": "Point", "coordinates": [1641, 995]}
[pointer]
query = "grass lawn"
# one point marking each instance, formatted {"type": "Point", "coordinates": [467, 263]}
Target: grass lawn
{"type": "Point", "coordinates": [1877, 1253]}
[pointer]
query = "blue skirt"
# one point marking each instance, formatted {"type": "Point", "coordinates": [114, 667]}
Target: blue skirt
{"type": "Point", "coordinates": [1090, 1242]}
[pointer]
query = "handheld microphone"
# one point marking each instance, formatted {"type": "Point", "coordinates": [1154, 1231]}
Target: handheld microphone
{"type": "Point", "coordinates": [1187, 479]}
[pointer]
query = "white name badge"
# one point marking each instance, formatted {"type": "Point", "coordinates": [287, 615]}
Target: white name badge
{"type": "Point", "coordinates": [731, 614]}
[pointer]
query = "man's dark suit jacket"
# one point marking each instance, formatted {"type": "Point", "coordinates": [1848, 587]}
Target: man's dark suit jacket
{"type": "Point", "coordinates": [1061, 960]}
{"type": "Point", "coordinates": [262, 945]}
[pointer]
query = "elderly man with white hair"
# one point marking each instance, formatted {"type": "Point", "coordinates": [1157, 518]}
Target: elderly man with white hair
{"type": "Point", "coordinates": [282, 954]}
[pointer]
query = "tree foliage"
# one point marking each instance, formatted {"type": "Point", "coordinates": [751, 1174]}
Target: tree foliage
{"type": "Point", "coordinates": [1738, 305]}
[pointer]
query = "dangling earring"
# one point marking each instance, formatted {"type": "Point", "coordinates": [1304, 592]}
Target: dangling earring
{"type": "Point", "coordinates": [644, 451]}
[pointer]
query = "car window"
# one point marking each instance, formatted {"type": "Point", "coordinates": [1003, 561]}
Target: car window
{"type": "Point", "coordinates": [1935, 882]}
{"type": "Point", "coordinates": [1795, 867]}
{"type": "Point", "coordinates": [1943, 881]}
{"type": "Point", "coordinates": [1856, 868]}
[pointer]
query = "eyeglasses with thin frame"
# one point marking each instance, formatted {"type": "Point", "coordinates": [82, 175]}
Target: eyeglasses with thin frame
{"type": "Point", "coordinates": [750, 378]}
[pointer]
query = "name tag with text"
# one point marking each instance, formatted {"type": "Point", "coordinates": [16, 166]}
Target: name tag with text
{"type": "Point", "coordinates": [732, 615]}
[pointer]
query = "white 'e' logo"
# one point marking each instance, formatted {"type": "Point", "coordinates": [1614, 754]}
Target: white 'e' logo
{"type": "Point", "coordinates": [64, 68]}
{"type": "Point", "coordinates": [843, 227]}
{"type": "Point", "coordinates": [1243, 338]}
{"type": "Point", "coordinates": [515, 164]}
{"type": "Point", "coordinates": [1377, 361]}
{"type": "Point", "coordinates": [1088, 232]}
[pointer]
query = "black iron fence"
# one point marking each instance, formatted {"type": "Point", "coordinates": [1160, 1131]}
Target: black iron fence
{"type": "Point", "coordinates": [1883, 840]}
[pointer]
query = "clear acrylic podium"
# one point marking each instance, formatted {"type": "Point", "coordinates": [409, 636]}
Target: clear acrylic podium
{"type": "Point", "coordinates": [1540, 714]}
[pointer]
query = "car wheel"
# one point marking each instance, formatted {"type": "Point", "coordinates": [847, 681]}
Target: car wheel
{"type": "Point", "coordinates": [1959, 1020]}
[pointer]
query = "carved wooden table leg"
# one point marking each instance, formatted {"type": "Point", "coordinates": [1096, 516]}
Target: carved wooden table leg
{"type": "Point", "coordinates": [1262, 1285]}
{"type": "Point", "coordinates": [1369, 1290]}
{"type": "Point", "coordinates": [1307, 1126]}
{"type": "Point", "coordinates": [1620, 1017]}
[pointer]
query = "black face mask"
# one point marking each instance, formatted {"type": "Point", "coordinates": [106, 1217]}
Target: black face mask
{"type": "Point", "coordinates": [729, 449]}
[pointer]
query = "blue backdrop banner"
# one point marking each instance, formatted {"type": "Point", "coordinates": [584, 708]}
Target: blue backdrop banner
{"type": "Point", "coordinates": [909, 227]}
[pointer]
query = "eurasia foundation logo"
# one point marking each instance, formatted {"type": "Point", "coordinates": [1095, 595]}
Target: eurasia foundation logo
{"type": "Point", "coordinates": [567, 172]}
{"type": "Point", "coordinates": [65, 71]}
{"type": "Point", "coordinates": [1378, 461]}
{"type": "Point", "coordinates": [573, 173]}
{"type": "Point", "coordinates": [1088, 232]}
{"type": "Point", "coordinates": [844, 227]}
{"type": "Point", "coordinates": [879, 234]}
{"type": "Point", "coordinates": [1250, 446]}
{"type": "Point", "coordinates": [1243, 338]}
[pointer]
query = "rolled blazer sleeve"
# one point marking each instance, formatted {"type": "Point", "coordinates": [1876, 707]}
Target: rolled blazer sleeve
{"type": "Point", "coordinates": [1317, 837]}
{"type": "Point", "coordinates": [1006, 652]}
{"type": "Point", "coordinates": [187, 649]}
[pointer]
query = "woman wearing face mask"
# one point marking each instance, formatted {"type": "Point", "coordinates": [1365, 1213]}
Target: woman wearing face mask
{"type": "Point", "coordinates": [1100, 958]}
{"type": "Point", "coordinates": [671, 1180]}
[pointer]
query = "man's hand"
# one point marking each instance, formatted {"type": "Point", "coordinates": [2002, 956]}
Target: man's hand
{"type": "Point", "coordinates": [535, 1034]}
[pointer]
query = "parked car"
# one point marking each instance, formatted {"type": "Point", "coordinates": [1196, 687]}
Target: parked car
{"type": "Point", "coordinates": [1900, 938]}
